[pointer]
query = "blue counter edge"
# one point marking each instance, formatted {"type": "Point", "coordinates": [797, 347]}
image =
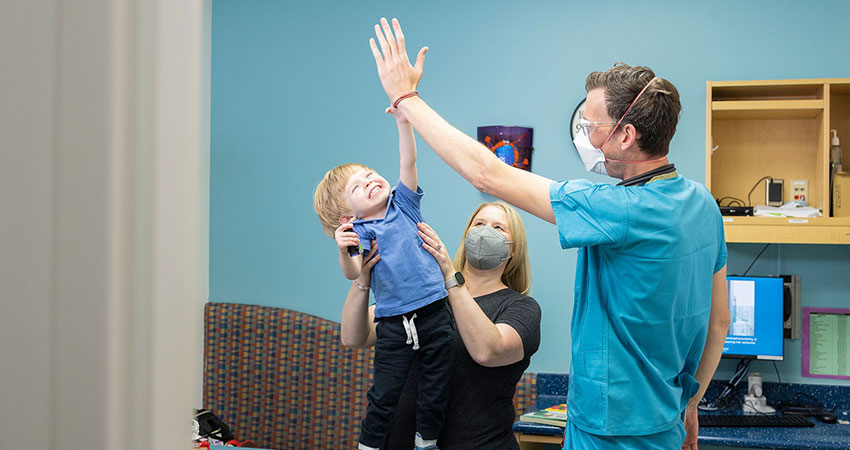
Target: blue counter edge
{"type": "Point", "coordinates": [552, 390]}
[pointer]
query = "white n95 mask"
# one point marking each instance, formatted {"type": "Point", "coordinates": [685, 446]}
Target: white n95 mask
{"type": "Point", "coordinates": [592, 157]}
{"type": "Point", "coordinates": [486, 248]}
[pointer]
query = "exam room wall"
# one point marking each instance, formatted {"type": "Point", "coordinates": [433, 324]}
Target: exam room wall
{"type": "Point", "coordinates": [294, 93]}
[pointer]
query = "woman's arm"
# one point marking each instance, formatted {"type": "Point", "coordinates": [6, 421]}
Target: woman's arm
{"type": "Point", "coordinates": [489, 344]}
{"type": "Point", "coordinates": [357, 327]}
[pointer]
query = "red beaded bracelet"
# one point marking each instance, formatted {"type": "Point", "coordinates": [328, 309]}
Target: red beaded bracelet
{"type": "Point", "coordinates": [408, 95]}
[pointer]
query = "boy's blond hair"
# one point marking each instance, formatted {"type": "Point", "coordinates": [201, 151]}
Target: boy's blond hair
{"type": "Point", "coordinates": [328, 200]}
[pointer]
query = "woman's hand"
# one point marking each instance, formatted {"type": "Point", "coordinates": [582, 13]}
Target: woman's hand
{"type": "Point", "coordinates": [436, 248]}
{"type": "Point", "coordinates": [365, 277]}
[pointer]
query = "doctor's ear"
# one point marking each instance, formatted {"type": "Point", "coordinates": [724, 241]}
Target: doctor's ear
{"type": "Point", "coordinates": [630, 136]}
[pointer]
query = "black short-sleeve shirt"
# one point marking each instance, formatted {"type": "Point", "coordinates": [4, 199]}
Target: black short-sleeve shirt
{"type": "Point", "coordinates": [480, 412]}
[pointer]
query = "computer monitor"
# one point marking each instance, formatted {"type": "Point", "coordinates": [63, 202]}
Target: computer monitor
{"type": "Point", "coordinates": [755, 305]}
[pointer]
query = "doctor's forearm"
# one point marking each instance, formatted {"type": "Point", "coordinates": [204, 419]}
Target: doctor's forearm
{"type": "Point", "coordinates": [462, 153]}
{"type": "Point", "coordinates": [710, 359]}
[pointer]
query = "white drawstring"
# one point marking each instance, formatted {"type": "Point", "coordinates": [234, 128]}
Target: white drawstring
{"type": "Point", "coordinates": [410, 329]}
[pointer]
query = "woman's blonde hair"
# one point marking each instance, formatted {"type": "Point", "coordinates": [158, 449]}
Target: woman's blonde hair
{"type": "Point", "coordinates": [517, 274]}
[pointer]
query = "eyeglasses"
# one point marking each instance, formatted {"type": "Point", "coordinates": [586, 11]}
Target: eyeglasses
{"type": "Point", "coordinates": [587, 126]}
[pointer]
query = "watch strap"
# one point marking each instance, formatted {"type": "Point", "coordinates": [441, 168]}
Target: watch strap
{"type": "Point", "coordinates": [452, 281]}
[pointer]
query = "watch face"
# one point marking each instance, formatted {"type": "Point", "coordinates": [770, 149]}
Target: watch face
{"type": "Point", "coordinates": [578, 114]}
{"type": "Point", "coordinates": [459, 278]}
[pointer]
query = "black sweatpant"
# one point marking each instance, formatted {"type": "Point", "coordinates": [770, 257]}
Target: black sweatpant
{"type": "Point", "coordinates": [393, 357]}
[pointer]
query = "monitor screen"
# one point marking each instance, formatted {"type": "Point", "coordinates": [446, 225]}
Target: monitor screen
{"type": "Point", "coordinates": [755, 305]}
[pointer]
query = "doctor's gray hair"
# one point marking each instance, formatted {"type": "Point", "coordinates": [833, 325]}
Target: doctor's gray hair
{"type": "Point", "coordinates": [654, 115]}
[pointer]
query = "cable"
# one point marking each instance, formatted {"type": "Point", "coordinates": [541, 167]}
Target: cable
{"type": "Point", "coordinates": [757, 258]}
{"type": "Point", "coordinates": [721, 402]}
{"type": "Point", "coordinates": [731, 200]}
{"type": "Point", "coordinates": [749, 202]}
{"type": "Point", "coordinates": [777, 372]}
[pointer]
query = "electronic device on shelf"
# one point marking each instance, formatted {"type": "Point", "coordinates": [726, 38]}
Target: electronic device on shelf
{"type": "Point", "coordinates": [736, 210]}
{"type": "Point", "coordinates": [773, 188]}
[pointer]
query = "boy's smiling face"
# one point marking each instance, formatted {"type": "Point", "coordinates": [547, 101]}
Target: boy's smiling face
{"type": "Point", "coordinates": [366, 195]}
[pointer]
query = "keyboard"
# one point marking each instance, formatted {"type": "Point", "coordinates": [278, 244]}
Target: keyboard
{"type": "Point", "coordinates": [756, 420]}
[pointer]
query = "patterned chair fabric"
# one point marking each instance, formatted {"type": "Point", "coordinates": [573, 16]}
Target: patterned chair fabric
{"type": "Point", "coordinates": [283, 379]}
{"type": "Point", "coordinates": [525, 397]}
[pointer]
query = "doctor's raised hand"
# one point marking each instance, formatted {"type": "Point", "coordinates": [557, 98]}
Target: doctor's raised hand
{"type": "Point", "coordinates": [398, 76]}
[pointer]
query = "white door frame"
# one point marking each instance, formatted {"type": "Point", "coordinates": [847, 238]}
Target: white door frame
{"type": "Point", "coordinates": [104, 188]}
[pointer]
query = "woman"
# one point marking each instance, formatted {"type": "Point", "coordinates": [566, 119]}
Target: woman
{"type": "Point", "coordinates": [498, 330]}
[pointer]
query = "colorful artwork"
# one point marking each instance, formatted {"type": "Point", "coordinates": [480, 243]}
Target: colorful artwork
{"type": "Point", "coordinates": [513, 145]}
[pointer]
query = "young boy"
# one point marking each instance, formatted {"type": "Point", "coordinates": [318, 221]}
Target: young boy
{"type": "Point", "coordinates": [356, 205]}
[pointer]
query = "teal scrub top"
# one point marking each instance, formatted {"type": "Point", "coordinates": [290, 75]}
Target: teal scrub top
{"type": "Point", "coordinates": [643, 284]}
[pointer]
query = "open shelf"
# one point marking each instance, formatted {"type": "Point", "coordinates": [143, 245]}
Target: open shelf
{"type": "Point", "coordinates": [787, 230]}
{"type": "Point", "coordinates": [776, 128]}
{"type": "Point", "coordinates": [767, 109]}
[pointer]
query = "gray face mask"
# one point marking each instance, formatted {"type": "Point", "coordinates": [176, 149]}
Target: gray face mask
{"type": "Point", "coordinates": [486, 248]}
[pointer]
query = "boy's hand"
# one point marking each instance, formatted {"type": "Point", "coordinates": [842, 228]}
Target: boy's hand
{"type": "Point", "coordinates": [395, 112]}
{"type": "Point", "coordinates": [345, 237]}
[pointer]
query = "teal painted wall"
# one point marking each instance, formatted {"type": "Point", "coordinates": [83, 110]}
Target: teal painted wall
{"type": "Point", "coordinates": [294, 92]}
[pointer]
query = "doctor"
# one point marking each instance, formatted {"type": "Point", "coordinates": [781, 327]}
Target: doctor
{"type": "Point", "coordinates": [650, 313]}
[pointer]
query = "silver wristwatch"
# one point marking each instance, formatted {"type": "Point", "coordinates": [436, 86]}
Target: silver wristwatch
{"type": "Point", "coordinates": [455, 280]}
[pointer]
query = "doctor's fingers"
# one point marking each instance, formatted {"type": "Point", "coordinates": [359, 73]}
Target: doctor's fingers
{"type": "Point", "coordinates": [391, 40]}
{"type": "Point", "coordinates": [399, 36]}
{"type": "Point", "coordinates": [382, 42]}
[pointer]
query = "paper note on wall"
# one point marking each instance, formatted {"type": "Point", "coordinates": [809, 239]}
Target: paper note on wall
{"type": "Point", "coordinates": [829, 343]}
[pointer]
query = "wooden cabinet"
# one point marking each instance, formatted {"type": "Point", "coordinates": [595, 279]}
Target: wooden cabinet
{"type": "Point", "coordinates": [777, 128]}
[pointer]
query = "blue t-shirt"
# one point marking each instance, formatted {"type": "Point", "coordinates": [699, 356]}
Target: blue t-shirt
{"type": "Point", "coordinates": [407, 277]}
{"type": "Point", "coordinates": [642, 298]}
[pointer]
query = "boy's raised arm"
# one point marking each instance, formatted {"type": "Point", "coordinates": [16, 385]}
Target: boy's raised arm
{"type": "Point", "coordinates": [406, 150]}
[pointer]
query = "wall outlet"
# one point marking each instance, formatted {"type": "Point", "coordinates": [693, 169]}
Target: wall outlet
{"type": "Point", "coordinates": [800, 190]}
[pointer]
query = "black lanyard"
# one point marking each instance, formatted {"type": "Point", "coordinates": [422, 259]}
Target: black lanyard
{"type": "Point", "coordinates": [643, 178]}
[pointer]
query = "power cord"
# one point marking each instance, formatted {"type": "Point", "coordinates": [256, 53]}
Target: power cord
{"type": "Point", "coordinates": [722, 400]}
{"type": "Point", "coordinates": [749, 202]}
{"type": "Point", "coordinates": [731, 201]}
{"type": "Point", "coordinates": [756, 259]}
{"type": "Point", "coordinates": [777, 372]}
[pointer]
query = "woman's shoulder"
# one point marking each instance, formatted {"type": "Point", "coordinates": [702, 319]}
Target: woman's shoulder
{"type": "Point", "coordinates": [504, 301]}
{"type": "Point", "coordinates": [509, 295]}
